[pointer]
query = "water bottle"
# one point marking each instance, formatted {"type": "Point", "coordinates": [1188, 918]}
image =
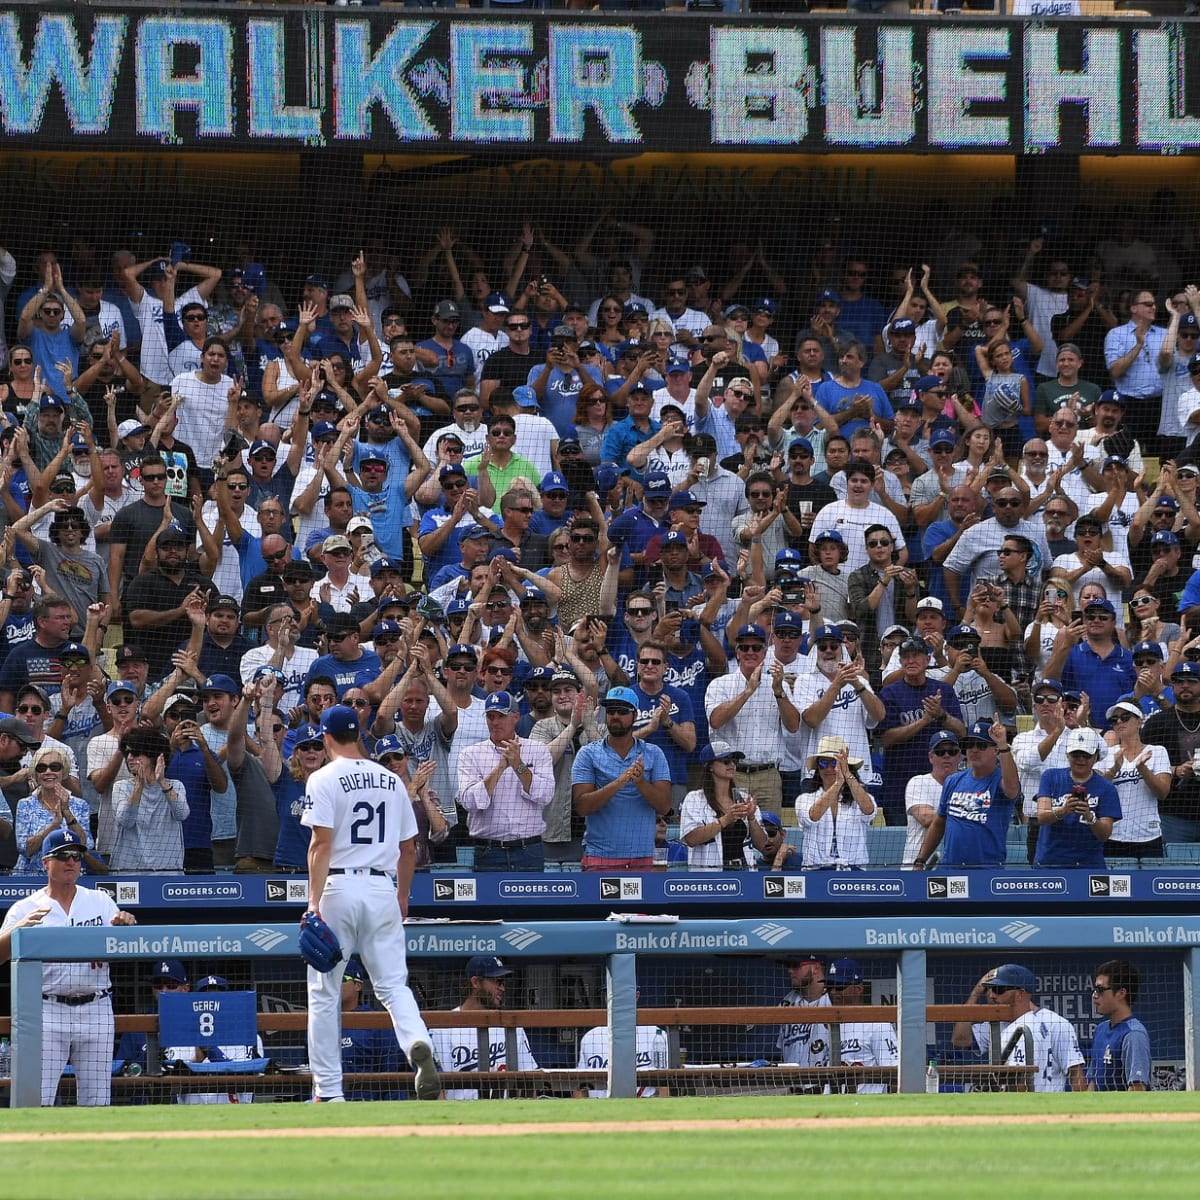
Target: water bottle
{"type": "Point", "coordinates": [932, 1081]}
{"type": "Point", "coordinates": [5, 1058]}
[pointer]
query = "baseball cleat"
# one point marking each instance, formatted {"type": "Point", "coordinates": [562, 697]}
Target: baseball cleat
{"type": "Point", "coordinates": [428, 1085]}
{"type": "Point", "coordinates": [328, 1100]}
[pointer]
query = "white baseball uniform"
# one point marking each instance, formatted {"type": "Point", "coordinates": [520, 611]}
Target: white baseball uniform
{"type": "Point", "coordinates": [1055, 1046]}
{"type": "Point", "coordinates": [78, 1028]}
{"type": "Point", "coordinates": [803, 1044]}
{"type": "Point", "coordinates": [869, 1044]}
{"type": "Point", "coordinates": [370, 814]}
{"type": "Point", "coordinates": [458, 1050]}
{"type": "Point", "coordinates": [595, 1048]}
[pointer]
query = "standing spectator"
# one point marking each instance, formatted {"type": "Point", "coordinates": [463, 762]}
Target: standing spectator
{"type": "Point", "coordinates": [39, 659]}
{"type": "Point", "coordinates": [504, 784]}
{"type": "Point", "coordinates": [1055, 1047]}
{"type": "Point", "coordinates": [853, 516]}
{"type": "Point", "coordinates": [1142, 776]}
{"type": "Point", "coordinates": [445, 356]}
{"type": "Point", "coordinates": [835, 822]}
{"type": "Point", "coordinates": [1086, 322]}
{"type": "Point", "coordinates": [976, 805]}
{"type": "Point", "coordinates": [86, 1038]}
{"type": "Point", "coordinates": [149, 808]}
{"type": "Point", "coordinates": [1088, 657]}
{"type": "Point", "coordinates": [1133, 354]}
{"type": "Point", "coordinates": [618, 784]}
{"type": "Point", "coordinates": [664, 714]}
{"type": "Point", "coordinates": [1121, 1048]}
{"type": "Point", "coordinates": [432, 827]}
{"type": "Point", "coordinates": [750, 709]}
{"type": "Point", "coordinates": [1077, 808]}
{"type": "Point", "coordinates": [1173, 729]}
{"type": "Point", "coordinates": [859, 314]}
{"type": "Point", "coordinates": [564, 733]}
{"type": "Point", "coordinates": [923, 793]}
{"type": "Point", "coordinates": [719, 820]}
{"type": "Point", "coordinates": [916, 707]}
{"type": "Point", "coordinates": [881, 593]}
{"type": "Point", "coordinates": [41, 327]}
{"type": "Point", "coordinates": [1043, 302]}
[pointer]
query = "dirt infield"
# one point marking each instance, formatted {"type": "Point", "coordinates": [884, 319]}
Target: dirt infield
{"type": "Point", "coordinates": [593, 1127]}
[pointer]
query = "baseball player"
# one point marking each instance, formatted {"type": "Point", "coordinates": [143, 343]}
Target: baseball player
{"type": "Point", "coordinates": [360, 867]}
{"type": "Point", "coordinates": [1055, 1046]}
{"type": "Point", "coordinates": [595, 1049]}
{"type": "Point", "coordinates": [77, 1015]}
{"type": "Point", "coordinates": [863, 1043]}
{"type": "Point", "coordinates": [458, 1049]}
{"type": "Point", "coordinates": [800, 1043]}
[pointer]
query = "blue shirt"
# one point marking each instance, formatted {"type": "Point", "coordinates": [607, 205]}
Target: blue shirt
{"type": "Point", "coordinates": [977, 814]}
{"type": "Point", "coordinates": [188, 767]}
{"type": "Point", "coordinates": [1142, 379]}
{"type": "Point", "coordinates": [622, 438]}
{"type": "Point", "coordinates": [1120, 1056]}
{"type": "Point", "coordinates": [1069, 842]}
{"type": "Point", "coordinates": [834, 397]}
{"type": "Point", "coordinates": [388, 510]}
{"type": "Point", "coordinates": [453, 366]}
{"type": "Point", "coordinates": [903, 761]}
{"type": "Point", "coordinates": [1105, 679]}
{"type": "Point", "coordinates": [624, 827]}
{"type": "Point", "coordinates": [560, 393]}
{"type": "Point", "coordinates": [681, 711]}
{"type": "Point", "coordinates": [291, 850]}
{"type": "Point", "coordinates": [346, 675]}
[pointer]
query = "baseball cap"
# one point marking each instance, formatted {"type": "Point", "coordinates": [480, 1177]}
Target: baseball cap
{"type": "Point", "coordinates": [1014, 975]}
{"type": "Point", "coordinates": [553, 481]}
{"type": "Point", "coordinates": [131, 429]}
{"type": "Point", "coordinates": [658, 483]}
{"type": "Point", "coordinates": [827, 633]}
{"type": "Point", "coordinates": [212, 983]}
{"type": "Point", "coordinates": [684, 499]}
{"type": "Point", "coordinates": [930, 602]}
{"type": "Point", "coordinates": [121, 686]}
{"type": "Point", "coordinates": [127, 653]}
{"type": "Point", "coordinates": [1085, 740]}
{"type": "Point", "coordinates": [221, 683]}
{"type": "Point", "coordinates": [828, 294]}
{"type": "Point", "coordinates": [914, 645]}
{"type": "Point", "coordinates": [486, 966]}
{"type": "Point", "coordinates": [174, 532]}
{"type": "Point", "coordinates": [496, 302]}
{"type": "Point", "coordinates": [1154, 648]}
{"type": "Point", "coordinates": [674, 538]}
{"type": "Point", "coordinates": [462, 650]}
{"type": "Point", "coordinates": [1125, 706]}
{"type": "Point", "coordinates": [229, 602]}
{"type": "Point", "coordinates": [525, 396]}
{"type": "Point", "coordinates": [564, 675]}
{"type": "Point", "coordinates": [717, 750]}
{"type": "Point", "coordinates": [633, 309]}
{"type": "Point", "coordinates": [335, 541]}
{"type": "Point", "coordinates": [963, 633]}
{"type": "Point", "coordinates": [943, 737]}
{"type": "Point", "coordinates": [1080, 283]}
{"type": "Point", "coordinates": [317, 281]}
{"type": "Point", "coordinates": [751, 631]}
{"type": "Point", "coordinates": [539, 674]}
{"type": "Point", "coordinates": [78, 650]}
{"type": "Point", "coordinates": [902, 325]}
{"type": "Point", "coordinates": [768, 820]}
{"type": "Point", "coordinates": [1167, 502]}
{"type": "Point", "coordinates": [801, 443]}
{"type": "Point", "coordinates": [1050, 685]}
{"type": "Point", "coordinates": [1185, 670]}
{"type": "Point", "coordinates": [1111, 459]}
{"type": "Point", "coordinates": [359, 522]}
{"type": "Point", "coordinates": [1102, 605]}
{"type": "Point", "coordinates": [52, 401]}
{"type": "Point", "coordinates": [261, 446]}
{"type": "Point", "coordinates": [389, 744]}
{"type": "Point", "coordinates": [533, 595]}
{"type": "Point", "coordinates": [339, 719]}
{"type": "Point", "coordinates": [307, 733]}
{"type": "Point", "coordinates": [927, 383]}
{"type": "Point", "coordinates": [893, 630]}
{"type": "Point", "coordinates": [830, 535]}
{"type": "Point", "coordinates": [678, 366]}
{"type": "Point", "coordinates": [500, 702]}
{"type": "Point", "coordinates": [1164, 537]}
{"type": "Point", "coordinates": [446, 310]}
{"type": "Point", "coordinates": [170, 968]}
{"type": "Point", "coordinates": [1111, 396]}
{"type": "Point", "coordinates": [943, 437]}
{"type": "Point", "coordinates": [449, 470]}
{"type": "Point", "coordinates": [764, 304]}
{"type": "Point", "coordinates": [60, 839]}
{"type": "Point", "coordinates": [353, 969]}
{"type": "Point", "coordinates": [620, 697]}
{"type": "Point", "coordinates": [369, 454]}
{"type": "Point", "coordinates": [979, 732]}
{"type": "Point", "coordinates": [843, 972]}
{"type": "Point", "coordinates": [789, 620]}
{"type": "Point", "coordinates": [323, 429]}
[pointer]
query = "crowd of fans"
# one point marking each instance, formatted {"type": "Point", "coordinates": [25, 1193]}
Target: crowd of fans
{"type": "Point", "coordinates": [603, 557]}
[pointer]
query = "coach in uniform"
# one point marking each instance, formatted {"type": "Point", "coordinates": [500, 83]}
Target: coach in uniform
{"type": "Point", "coordinates": [77, 1015]}
{"type": "Point", "coordinates": [360, 866]}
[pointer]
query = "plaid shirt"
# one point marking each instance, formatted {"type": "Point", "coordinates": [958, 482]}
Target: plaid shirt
{"type": "Point", "coordinates": [1023, 598]}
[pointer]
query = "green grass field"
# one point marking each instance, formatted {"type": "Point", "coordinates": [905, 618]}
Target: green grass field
{"type": "Point", "coordinates": [1060, 1146]}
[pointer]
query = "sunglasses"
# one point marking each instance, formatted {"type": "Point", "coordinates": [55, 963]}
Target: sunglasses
{"type": "Point", "coordinates": [358, 703]}
{"type": "Point", "coordinates": [1121, 718]}
{"type": "Point", "coordinates": [638, 612]}
{"type": "Point", "coordinates": [52, 312]}
{"type": "Point", "coordinates": [1001, 990]}
{"type": "Point", "coordinates": [1048, 698]}
{"type": "Point", "coordinates": [947, 752]}
{"type": "Point", "coordinates": [1141, 601]}
{"type": "Point", "coordinates": [34, 709]}
{"type": "Point", "coordinates": [751, 648]}
{"type": "Point", "coordinates": [650, 662]}
{"type": "Point", "coordinates": [518, 325]}
{"type": "Point", "coordinates": [26, 362]}
{"type": "Point", "coordinates": [154, 478]}
{"type": "Point", "coordinates": [582, 539]}
{"type": "Point", "coordinates": [826, 764]}
{"type": "Point", "coordinates": [878, 544]}
{"type": "Point", "coordinates": [68, 856]}
{"type": "Point", "coordinates": [47, 766]}
{"type": "Point", "coordinates": [1008, 503]}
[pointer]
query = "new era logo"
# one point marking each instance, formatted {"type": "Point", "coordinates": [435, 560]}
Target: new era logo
{"type": "Point", "coordinates": [1098, 885]}
{"type": "Point", "coordinates": [773, 887]}
{"type": "Point", "coordinates": [443, 889]}
{"type": "Point", "coordinates": [276, 891]}
{"type": "Point", "coordinates": [521, 938]}
{"type": "Point", "coordinates": [109, 889]}
{"type": "Point", "coordinates": [610, 889]}
{"type": "Point", "coordinates": [1020, 931]}
{"type": "Point", "coordinates": [267, 939]}
{"type": "Point", "coordinates": [936, 888]}
{"type": "Point", "coordinates": [771, 933]}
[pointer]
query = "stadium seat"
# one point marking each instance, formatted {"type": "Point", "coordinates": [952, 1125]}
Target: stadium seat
{"type": "Point", "coordinates": [1018, 846]}
{"type": "Point", "coordinates": [1183, 852]}
{"type": "Point", "coordinates": [885, 846]}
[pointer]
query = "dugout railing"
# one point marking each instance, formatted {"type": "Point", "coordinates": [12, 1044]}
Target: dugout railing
{"type": "Point", "coordinates": [907, 949]}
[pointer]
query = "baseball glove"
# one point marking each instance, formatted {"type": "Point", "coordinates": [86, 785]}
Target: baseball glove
{"type": "Point", "coordinates": [319, 946]}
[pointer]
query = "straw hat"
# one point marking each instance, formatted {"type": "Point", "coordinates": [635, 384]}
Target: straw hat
{"type": "Point", "coordinates": [831, 747]}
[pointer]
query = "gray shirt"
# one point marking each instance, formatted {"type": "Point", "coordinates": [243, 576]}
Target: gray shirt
{"type": "Point", "coordinates": [976, 549]}
{"type": "Point", "coordinates": [79, 577]}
